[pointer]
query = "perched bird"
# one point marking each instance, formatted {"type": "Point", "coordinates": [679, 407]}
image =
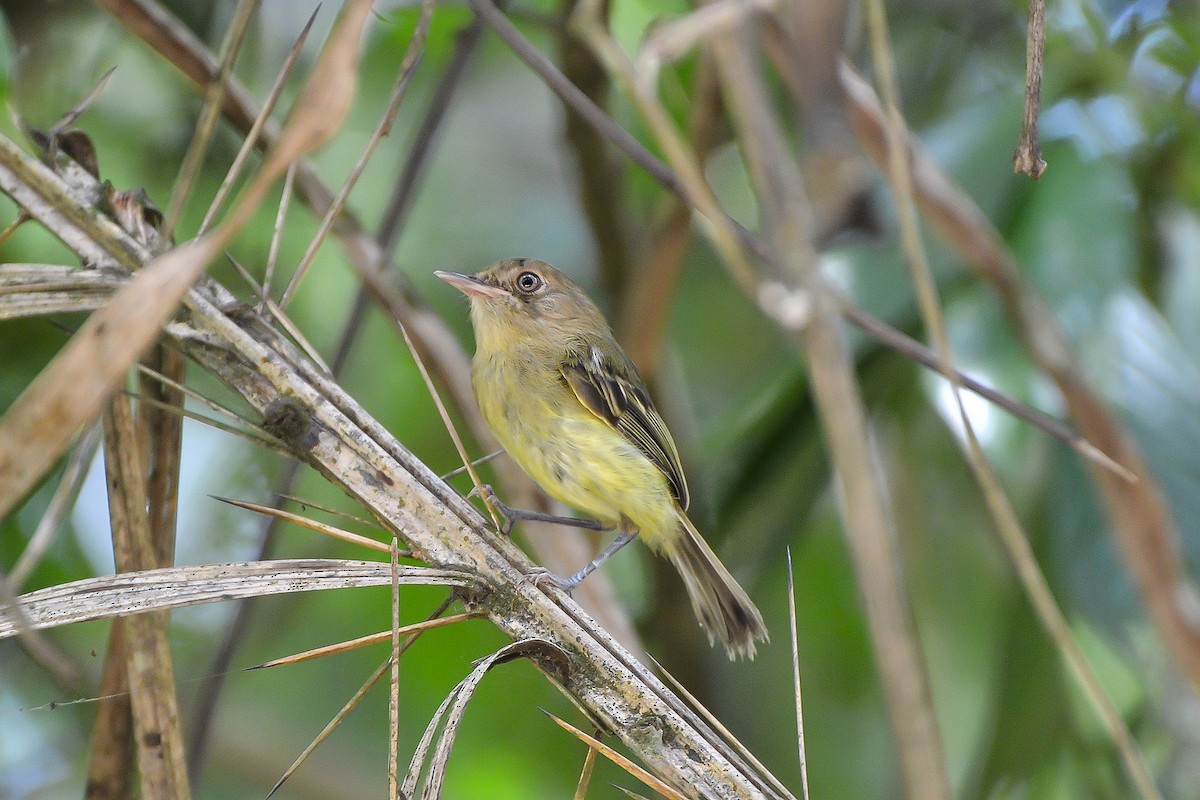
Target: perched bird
{"type": "Point", "coordinates": [570, 408]}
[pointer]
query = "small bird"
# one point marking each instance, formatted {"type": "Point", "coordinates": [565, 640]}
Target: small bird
{"type": "Point", "coordinates": [567, 404]}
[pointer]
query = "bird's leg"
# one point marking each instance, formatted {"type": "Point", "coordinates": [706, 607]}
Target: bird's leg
{"type": "Point", "coordinates": [511, 515]}
{"type": "Point", "coordinates": [567, 584]}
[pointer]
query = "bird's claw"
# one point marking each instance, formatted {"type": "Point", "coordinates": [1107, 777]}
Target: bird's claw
{"type": "Point", "coordinates": [488, 495]}
{"type": "Point", "coordinates": [541, 577]}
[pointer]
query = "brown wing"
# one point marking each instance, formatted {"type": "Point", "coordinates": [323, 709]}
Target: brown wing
{"type": "Point", "coordinates": [614, 393]}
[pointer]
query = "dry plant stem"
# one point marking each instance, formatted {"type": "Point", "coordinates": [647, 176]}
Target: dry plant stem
{"type": "Point", "coordinates": [111, 755]}
{"type": "Point", "coordinates": [795, 637]}
{"type": "Point", "coordinates": [1028, 159]}
{"type": "Point", "coordinates": [145, 372]}
{"type": "Point", "coordinates": [334, 435]}
{"type": "Point", "coordinates": [158, 739]}
{"type": "Point", "coordinates": [253, 436]}
{"type": "Point", "coordinates": [285, 202]}
{"type": "Point", "coordinates": [128, 594]}
{"type": "Point", "coordinates": [784, 211]}
{"type": "Point", "coordinates": [209, 114]}
{"type": "Point", "coordinates": [311, 524]}
{"type": "Point", "coordinates": [363, 641]}
{"type": "Point", "coordinates": [308, 504]}
{"type": "Point", "coordinates": [585, 774]}
{"type": "Point", "coordinates": [394, 693]}
{"type": "Point", "coordinates": [1147, 534]}
{"type": "Point", "coordinates": [161, 418]}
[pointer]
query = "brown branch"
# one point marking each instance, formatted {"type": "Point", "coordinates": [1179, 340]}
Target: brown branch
{"type": "Point", "coordinates": [1027, 159]}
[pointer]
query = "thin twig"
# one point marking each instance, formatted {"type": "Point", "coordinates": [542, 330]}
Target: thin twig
{"type": "Point", "coordinates": [252, 136]}
{"type": "Point", "coordinates": [664, 789]}
{"type": "Point", "coordinates": [306, 504]}
{"type": "Point", "coordinates": [194, 156]}
{"type": "Point", "coordinates": [408, 67]}
{"type": "Point", "coordinates": [311, 524]}
{"type": "Point", "coordinates": [278, 313]}
{"type": "Point", "coordinates": [364, 641]}
{"type": "Point", "coordinates": [285, 202]}
{"type": "Point", "coordinates": [351, 704]}
{"type": "Point", "coordinates": [254, 435]}
{"type": "Point", "coordinates": [795, 637]}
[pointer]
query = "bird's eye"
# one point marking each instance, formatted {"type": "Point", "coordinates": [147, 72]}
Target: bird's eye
{"type": "Point", "coordinates": [529, 282]}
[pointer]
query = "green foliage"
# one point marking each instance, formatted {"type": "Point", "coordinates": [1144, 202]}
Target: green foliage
{"type": "Point", "coordinates": [1109, 237]}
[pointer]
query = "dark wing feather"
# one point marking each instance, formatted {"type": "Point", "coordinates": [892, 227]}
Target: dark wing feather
{"type": "Point", "coordinates": [614, 393]}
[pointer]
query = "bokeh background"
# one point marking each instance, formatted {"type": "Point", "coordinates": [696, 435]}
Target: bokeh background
{"type": "Point", "coordinates": [1110, 236]}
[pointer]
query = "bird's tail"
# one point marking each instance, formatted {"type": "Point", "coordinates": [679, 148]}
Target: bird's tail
{"type": "Point", "coordinates": [724, 609]}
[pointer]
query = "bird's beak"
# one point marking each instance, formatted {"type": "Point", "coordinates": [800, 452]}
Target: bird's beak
{"type": "Point", "coordinates": [470, 285]}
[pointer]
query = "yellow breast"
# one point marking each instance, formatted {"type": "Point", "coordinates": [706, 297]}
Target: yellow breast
{"type": "Point", "coordinates": [571, 453]}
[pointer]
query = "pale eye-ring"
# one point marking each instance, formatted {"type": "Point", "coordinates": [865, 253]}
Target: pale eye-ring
{"type": "Point", "coordinates": [529, 282]}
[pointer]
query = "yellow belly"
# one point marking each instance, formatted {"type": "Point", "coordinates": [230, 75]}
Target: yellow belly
{"type": "Point", "coordinates": [577, 458]}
